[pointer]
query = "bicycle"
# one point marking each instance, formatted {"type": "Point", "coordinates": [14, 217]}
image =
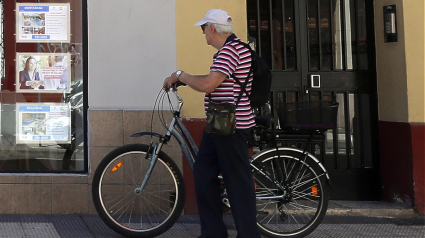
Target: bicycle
{"type": "Point", "coordinates": [138, 190]}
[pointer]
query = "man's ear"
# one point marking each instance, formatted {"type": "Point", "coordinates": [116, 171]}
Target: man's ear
{"type": "Point", "coordinates": [212, 27]}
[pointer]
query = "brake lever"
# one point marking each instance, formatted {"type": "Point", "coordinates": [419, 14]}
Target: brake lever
{"type": "Point", "coordinates": [174, 86]}
{"type": "Point", "coordinates": [179, 83]}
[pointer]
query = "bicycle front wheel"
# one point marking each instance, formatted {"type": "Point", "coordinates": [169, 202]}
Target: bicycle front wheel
{"type": "Point", "coordinates": [298, 206]}
{"type": "Point", "coordinates": [125, 209]}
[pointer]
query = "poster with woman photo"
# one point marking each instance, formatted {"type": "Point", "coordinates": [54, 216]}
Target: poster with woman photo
{"type": "Point", "coordinates": [43, 72]}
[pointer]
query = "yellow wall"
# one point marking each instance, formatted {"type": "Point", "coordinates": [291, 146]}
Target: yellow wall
{"type": "Point", "coordinates": [391, 67]}
{"type": "Point", "coordinates": [400, 65]}
{"type": "Point", "coordinates": [194, 56]}
{"type": "Point", "coordinates": [414, 30]}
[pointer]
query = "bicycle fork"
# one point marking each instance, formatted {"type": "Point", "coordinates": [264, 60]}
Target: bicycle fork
{"type": "Point", "coordinates": [153, 159]}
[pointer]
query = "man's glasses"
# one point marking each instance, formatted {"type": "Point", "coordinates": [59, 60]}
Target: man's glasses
{"type": "Point", "coordinates": [204, 25]}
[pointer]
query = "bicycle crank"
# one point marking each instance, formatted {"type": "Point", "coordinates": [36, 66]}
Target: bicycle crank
{"type": "Point", "coordinates": [226, 202]}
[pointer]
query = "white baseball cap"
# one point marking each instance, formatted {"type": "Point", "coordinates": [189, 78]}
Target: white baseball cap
{"type": "Point", "coordinates": [216, 16]}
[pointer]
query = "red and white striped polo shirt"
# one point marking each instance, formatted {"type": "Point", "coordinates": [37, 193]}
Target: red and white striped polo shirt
{"type": "Point", "coordinates": [234, 59]}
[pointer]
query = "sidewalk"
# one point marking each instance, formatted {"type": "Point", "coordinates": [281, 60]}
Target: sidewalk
{"type": "Point", "coordinates": [369, 208]}
{"type": "Point", "coordinates": [343, 219]}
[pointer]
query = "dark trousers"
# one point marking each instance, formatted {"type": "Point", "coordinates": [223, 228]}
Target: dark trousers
{"type": "Point", "coordinates": [228, 156]}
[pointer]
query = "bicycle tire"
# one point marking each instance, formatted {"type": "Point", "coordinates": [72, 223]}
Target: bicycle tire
{"type": "Point", "coordinates": [302, 209]}
{"type": "Point", "coordinates": [149, 213]}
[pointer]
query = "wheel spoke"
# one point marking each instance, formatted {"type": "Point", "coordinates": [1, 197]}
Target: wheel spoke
{"type": "Point", "coordinates": [129, 211]}
{"type": "Point", "coordinates": [297, 210]}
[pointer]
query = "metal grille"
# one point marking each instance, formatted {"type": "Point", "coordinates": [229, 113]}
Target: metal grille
{"type": "Point", "coordinates": [327, 38]}
{"type": "Point", "coordinates": [336, 33]}
{"type": "Point", "coordinates": [271, 28]}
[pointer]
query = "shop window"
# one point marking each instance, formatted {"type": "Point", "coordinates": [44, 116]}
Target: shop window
{"type": "Point", "coordinates": [43, 71]}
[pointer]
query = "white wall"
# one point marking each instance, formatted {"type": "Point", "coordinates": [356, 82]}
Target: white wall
{"type": "Point", "coordinates": [132, 48]}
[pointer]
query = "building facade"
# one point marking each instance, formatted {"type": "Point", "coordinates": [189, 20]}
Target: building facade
{"type": "Point", "coordinates": [367, 55]}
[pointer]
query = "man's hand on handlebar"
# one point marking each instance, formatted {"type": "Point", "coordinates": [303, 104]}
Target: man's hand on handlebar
{"type": "Point", "coordinates": [171, 82]}
{"type": "Point", "coordinates": [173, 86]}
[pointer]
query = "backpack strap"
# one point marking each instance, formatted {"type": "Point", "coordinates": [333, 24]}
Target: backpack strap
{"type": "Point", "coordinates": [243, 86]}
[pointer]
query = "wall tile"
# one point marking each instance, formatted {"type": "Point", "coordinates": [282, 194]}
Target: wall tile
{"type": "Point", "coordinates": [69, 199]}
{"type": "Point", "coordinates": [92, 209]}
{"type": "Point", "coordinates": [97, 153]}
{"type": "Point", "coordinates": [7, 197]}
{"type": "Point", "coordinates": [134, 122]}
{"type": "Point", "coordinates": [105, 128]}
{"type": "Point", "coordinates": [39, 199]}
{"type": "Point", "coordinates": [20, 200]}
{"type": "Point", "coordinates": [32, 179]}
{"type": "Point", "coordinates": [39, 179]}
{"type": "Point", "coordinates": [70, 179]}
{"type": "Point", "coordinates": [7, 179]}
{"type": "Point", "coordinates": [45, 191]}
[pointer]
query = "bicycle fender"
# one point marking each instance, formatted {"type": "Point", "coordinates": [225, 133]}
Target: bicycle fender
{"type": "Point", "coordinates": [301, 152]}
{"type": "Point", "coordinates": [145, 133]}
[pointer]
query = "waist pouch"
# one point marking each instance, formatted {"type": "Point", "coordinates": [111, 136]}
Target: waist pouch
{"type": "Point", "coordinates": [221, 118]}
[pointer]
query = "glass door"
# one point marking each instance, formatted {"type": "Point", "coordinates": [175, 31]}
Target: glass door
{"type": "Point", "coordinates": [324, 50]}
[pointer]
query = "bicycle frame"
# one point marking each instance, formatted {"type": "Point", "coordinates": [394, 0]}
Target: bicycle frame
{"type": "Point", "coordinates": [188, 146]}
{"type": "Point", "coordinates": [190, 150]}
{"type": "Point", "coordinates": [185, 140]}
{"type": "Point", "coordinates": [282, 176]}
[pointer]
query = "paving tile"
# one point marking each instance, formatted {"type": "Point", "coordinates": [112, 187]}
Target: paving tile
{"type": "Point", "coordinates": [188, 227]}
{"type": "Point", "coordinates": [46, 230]}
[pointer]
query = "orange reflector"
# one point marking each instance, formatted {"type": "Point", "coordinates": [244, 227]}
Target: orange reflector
{"type": "Point", "coordinates": [314, 190]}
{"type": "Point", "coordinates": [117, 166]}
{"type": "Point", "coordinates": [255, 183]}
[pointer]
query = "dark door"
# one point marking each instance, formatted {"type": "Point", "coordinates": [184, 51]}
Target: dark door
{"type": "Point", "coordinates": [324, 50]}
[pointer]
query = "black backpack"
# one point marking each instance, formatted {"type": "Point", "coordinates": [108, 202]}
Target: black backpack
{"type": "Point", "coordinates": [261, 82]}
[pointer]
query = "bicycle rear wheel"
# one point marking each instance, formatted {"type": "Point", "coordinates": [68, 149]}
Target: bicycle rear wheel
{"type": "Point", "coordinates": [298, 208]}
{"type": "Point", "coordinates": [138, 214]}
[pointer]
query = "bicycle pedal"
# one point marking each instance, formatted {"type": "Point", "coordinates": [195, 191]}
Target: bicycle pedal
{"type": "Point", "coordinates": [262, 213]}
{"type": "Point", "coordinates": [283, 217]}
{"type": "Point", "coordinates": [226, 202]}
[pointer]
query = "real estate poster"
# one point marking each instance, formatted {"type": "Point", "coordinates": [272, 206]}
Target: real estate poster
{"type": "Point", "coordinates": [43, 72]}
{"type": "Point", "coordinates": [43, 22]}
{"type": "Point", "coordinates": [44, 123]}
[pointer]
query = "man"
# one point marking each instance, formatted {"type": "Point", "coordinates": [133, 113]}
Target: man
{"type": "Point", "coordinates": [227, 155]}
{"type": "Point", "coordinates": [56, 61]}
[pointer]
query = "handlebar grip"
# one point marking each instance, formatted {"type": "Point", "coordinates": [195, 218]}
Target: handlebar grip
{"type": "Point", "coordinates": [178, 84]}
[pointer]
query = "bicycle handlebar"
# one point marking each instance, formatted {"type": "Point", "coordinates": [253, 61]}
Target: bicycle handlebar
{"type": "Point", "coordinates": [174, 87]}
